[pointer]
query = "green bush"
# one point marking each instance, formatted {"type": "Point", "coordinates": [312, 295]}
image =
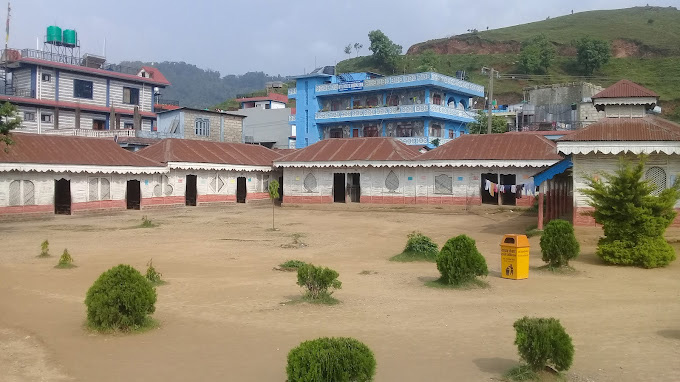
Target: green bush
{"type": "Point", "coordinates": [558, 243]}
{"type": "Point", "coordinates": [65, 260]}
{"type": "Point", "coordinates": [44, 249]}
{"type": "Point", "coordinates": [121, 298]}
{"type": "Point", "coordinates": [543, 341]}
{"type": "Point", "coordinates": [317, 280]}
{"type": "Point", "coordinates": [460, 262]}
{"type": "Point", "coordinates": [419, 245]}
{"type": "Point", "coordinates": [646, 253]}
{"type": "Point", "coordinates": [152, 275]}
{"type": "Point", "coordinates": [291, 265]}
{"type": "Point", "coordinates": [331, 359]}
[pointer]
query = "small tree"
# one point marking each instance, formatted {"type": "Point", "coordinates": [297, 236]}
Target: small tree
{"type": "Point", "coordinates": [8, 122]}
{"type": "Point", "coordinates": [479, 126]}
{"type": "Point", "coordinates": [121, 298]}
{"type": "Point", "coordinates": [536, 55]}
{"type": "Point", "coordinates": [331, 359]}
{"type": "Point", "coordinates": [152, 275]}
{"type": "Point", "coordinates": [348, 50]}
{"type": "Point", "coordinates": [44, 249]}
{"type": "Point", "coordinates": [357, 47]}
{"type": "Point", "coordinates": [317, 281]}
{"type": "Point", "coordinates": [273, 195]}
{"type": "Point", "coordinates": [65, 260]}
{"type": "Point", "coordinates": [558, 243]}
{"type": "Point", "coordinates": [385, 52]}
{"type": "Point", "coordinates": [542, 342]}
{"type": "Point", "coordinates": [459, 261]}
{"type": "Point", "coordinates": [633, 218]}
{"type": "Point", "coordinates": [591, 54]}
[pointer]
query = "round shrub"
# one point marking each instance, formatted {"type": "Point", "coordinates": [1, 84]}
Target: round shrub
{"type": "Point", "coordinates": [419, 245]}
{"type": "Point", "coordinates": [646, 252]}
{"type": "Point", "coordinates": [558, 243]}
{"type": "Point", "coordinates": [121, 298]}
{"type": "Point", "coordinates": [331, 359]}
{"type": "Point", "coordinates": [460, 262]}
{"type": "Point", "coordinates": [317, 280]}
{"type": "Point", "coordinates": [543, 341]}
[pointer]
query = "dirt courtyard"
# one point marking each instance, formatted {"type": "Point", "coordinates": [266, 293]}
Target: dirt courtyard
{"type": "Point", "coordinates": [225, 316]}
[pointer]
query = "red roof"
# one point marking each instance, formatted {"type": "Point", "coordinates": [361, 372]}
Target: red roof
{"type": "Point", "coordinates": [156, 78]}
{"type": "Point", "coordinates": [495, 146]}
{"type": "Point", "coordinates": [649, 128]}
{"type": "Point", "coordinates": [625, 89]}
{"type": "Point", "coordinates": [56, 149]}
{"type": "Point", "coordinates": [542, 132]}
{"type": "Point", "coordinates": [270, 97]}
{"type": "Point", "coordinates": [353, 149]}
{"type": "Point", "coordinates": [72, 105]}
{"type": "Point", "coordinates": [195, 151]}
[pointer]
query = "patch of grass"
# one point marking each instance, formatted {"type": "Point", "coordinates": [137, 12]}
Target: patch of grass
{"type": "Point", "coordinates": [323, 299]}
{"type": "Point", "coordinates": [521, 373]}
{"type": "Point", "coordinates": [148, 324]}
{"type": "Point", "coordinates": [153, 276]}
{"type": "Point", "coordinates": [65, 266]}
{"type": "Point", "coordinates": [291, 265]}
{"type": "Point", "coordinates": [296, 242]}
{"type": "Point", "coordinates": [368, 273]}
{"type": "Point", "coordinates": [147, 223]}
{"type": "Point", "coordinates": [566, 270]}
{"type": "Point", "coordinates": [407, 257]}
{"type": "Point", "coordinates": [533, 230]}
{"type": "Point", "coordinates": [474, 284]}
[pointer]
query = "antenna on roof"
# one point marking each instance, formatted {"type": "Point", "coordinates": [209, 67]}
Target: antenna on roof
{"type": "Point", "coordinates": [9, 9]}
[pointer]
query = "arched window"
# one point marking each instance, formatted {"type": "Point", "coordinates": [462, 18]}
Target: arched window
{"type": "Point", "coordinates": [451, 102]}
{"type": "Point", "coordinates": [657, 177]}
{"type": "Point", "coordinates": [29, 193]}
{"type": "Point", "coordinates": [392, 182]}
{"type": "Point", "coordinates": [15, 193]}
{"type": "Point", "coordinates": [310, 183]}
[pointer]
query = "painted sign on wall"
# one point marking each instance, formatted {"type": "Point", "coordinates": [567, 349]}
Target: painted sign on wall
{"type": "Point", "coordinates": [350, 85]}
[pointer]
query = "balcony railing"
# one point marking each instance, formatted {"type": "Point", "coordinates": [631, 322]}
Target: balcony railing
{"type": "Point", "coordinates": [11, 55]}
{"type": "Point", "coordinates": [93, 133]}
{"type": "Point", "coordinates": [393, 110]}
{"type": "Point", "coordinates": [25, 93]}
{"type": "Point", "coordinates": [405, 79]}
{"type": "Point", "coordinates": [422, 140]}
{"type": "Point", "coordinates": [291, 118]}
{"type": "Point", "coordinates": [164, 101]}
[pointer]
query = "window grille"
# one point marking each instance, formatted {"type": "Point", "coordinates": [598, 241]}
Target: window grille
{"type": "Point", "coordinates": [310, 183]}
{"type": "Point", "coordinates": [105, 189]}
{"type": "Point", "coordinates": [94, 189]}
{"type": "Point", "coordinates": [443, 184]}
{"type": "Point", "coordinates": [15, 193]}
{"type": "Point", "coordinates": [392, 181]}
{"type": "Point", "coordinates": [29, 193]}
{"type": "Point", "coordinates": [656, 177]}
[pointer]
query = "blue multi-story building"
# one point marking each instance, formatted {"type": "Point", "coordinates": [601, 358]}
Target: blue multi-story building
{"type": "Point", "coordinates": [414, 108]}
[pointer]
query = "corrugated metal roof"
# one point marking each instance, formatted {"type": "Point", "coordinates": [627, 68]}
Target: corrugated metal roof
{"type": "Point", "coordinates": [353, 149]}
{"type": "Point", "coordinates": [624, 89]}
{"type": "Point", "coordinates": [649, 128]}
{"type": "Point", "coordinates": [55, 149]}
{"type": "Point", "coordinates": [269, 97]}
{"type": "Point", "coordinates": [194, 151]}
{"type": "Point", "coordinates": [495, 147]}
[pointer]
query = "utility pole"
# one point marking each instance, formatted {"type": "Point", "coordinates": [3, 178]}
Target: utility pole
{"type": "Point", "coordinates": [491, 72]}
{"type": "Point", "coordinates": [7, 28]}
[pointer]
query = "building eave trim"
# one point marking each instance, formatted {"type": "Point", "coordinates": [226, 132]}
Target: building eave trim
{"type": "Point", "coordinates": [421, 163]}
{"type": "Point", "coordinates": [619, 147]}
{"type": "Point", "coordinates": [216, 167]}
{"type": "Point", "coordinates": [58, 168]}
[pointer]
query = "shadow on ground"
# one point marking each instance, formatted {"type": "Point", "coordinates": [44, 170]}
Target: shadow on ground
{"type": "Point", "coordinates": [670, 333]}
{"type": "Point", "coordinates": [495, 365]}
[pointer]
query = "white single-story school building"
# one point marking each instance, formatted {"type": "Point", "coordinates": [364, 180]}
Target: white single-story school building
{"type": "Point", "coordinates": [470, 170]}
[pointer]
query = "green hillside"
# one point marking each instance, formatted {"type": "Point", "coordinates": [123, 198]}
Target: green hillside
{"type": "Point", "coordinates": [657, 29]}
{"type": "Point", "coordinates": [657, 69]}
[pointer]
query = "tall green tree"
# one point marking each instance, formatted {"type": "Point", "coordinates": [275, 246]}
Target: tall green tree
{"type": "Point", "coordinates": [591, 54]}
{"type": "Point", "coordinates": [633, 218]}
{"type": "Point", "coordinates": [385, 52]}
{"type": "Point", "coordinates": [8, 122]}
{"type": "Point", "coordinates": [536, 55]}
{"type": "Point", "coordinates": [479, 126]}
{"type": "Point", "coordinates": [348, 50]}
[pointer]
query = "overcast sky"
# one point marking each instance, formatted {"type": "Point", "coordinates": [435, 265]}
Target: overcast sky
{"type": "Point", "coordinates": [277, 37]}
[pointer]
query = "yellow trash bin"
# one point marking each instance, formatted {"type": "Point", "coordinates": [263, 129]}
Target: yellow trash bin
{"type": "Point", "coordinates": [515, 257]}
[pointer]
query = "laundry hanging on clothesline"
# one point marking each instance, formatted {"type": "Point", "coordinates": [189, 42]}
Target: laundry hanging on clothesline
{"type": "Point", "coordinates": [527, 188]}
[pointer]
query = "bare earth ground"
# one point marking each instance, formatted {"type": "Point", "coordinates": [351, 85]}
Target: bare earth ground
{"type": "Point", "coordinates": [224, 314]}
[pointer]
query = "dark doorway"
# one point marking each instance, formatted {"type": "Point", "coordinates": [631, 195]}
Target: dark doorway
{"type": "Point", "coordinates": [133, 195]}
{"type": "Point", "coordinates": [62, 197]}
{"type": "Point", "coordinates": [508, 198]}
{"type": "Point", "coordinates": [281, 189]}
{"type": "Point", "coordinates": [339, 188]}
{"type": "Point", "coordinates": [354, 187]}
{"type": "Point", "coordinates": [486, 196]}
{"type": "Point", "coordinates": [191, 193]}
{"type": "Point", "coordinates": [241, 191]}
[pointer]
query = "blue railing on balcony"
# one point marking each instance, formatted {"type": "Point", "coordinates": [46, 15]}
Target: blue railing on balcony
{"type": "Point", "coordinates": [407, 78]}
{"type": "Point", "coordinates": [393, 110]}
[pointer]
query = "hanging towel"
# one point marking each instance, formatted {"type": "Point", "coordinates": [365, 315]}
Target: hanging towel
{"type": "Point", "coordinates": [491, 189]}
{"type": "Point", "coordinates": [513, 188]}
{"type": "Point", "coordinates": [487, 185]}
{"type": "Point", "coordinates": [519, 191]}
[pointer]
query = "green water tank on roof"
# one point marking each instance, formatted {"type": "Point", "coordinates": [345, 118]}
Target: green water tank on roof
{"type": "Point", "coordinates": [54, 34]}
{"type": "Point", "coordinates": [70, 37]}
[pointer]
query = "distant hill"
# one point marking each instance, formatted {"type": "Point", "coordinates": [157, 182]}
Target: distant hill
{"type": "Point", "coordinates": [196, 87]}
{"type": "Point", "coordinates": [634, 32]}
{"type": "Point", "coordinates": [645, 44]}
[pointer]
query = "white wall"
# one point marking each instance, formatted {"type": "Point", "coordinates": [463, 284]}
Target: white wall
{"type": "Point", "coordinates": [66, 80]}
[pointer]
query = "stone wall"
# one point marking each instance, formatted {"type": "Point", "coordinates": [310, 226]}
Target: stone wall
{"type": "Point", "coordinates": [233, 126]}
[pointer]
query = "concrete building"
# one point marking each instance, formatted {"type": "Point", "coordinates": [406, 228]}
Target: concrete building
{"type": "Point", "coordinates": [69, 95]}
{"type": "Point", "coordinates": [206, 125]}
{"type": "Point", "coordinates": [267, 127]}
{"type": "Point", "coordinates": [386, 170]}
{"type": "Point", "coordinates": [414, 108]}
{"type": "Point", "coordinates": [559, 107]}
{"type": "Point", "coordinates": [270, 101]}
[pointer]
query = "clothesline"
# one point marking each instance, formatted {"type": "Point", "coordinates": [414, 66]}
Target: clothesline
{"type": "Point", "coordinates": [517, 189]}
